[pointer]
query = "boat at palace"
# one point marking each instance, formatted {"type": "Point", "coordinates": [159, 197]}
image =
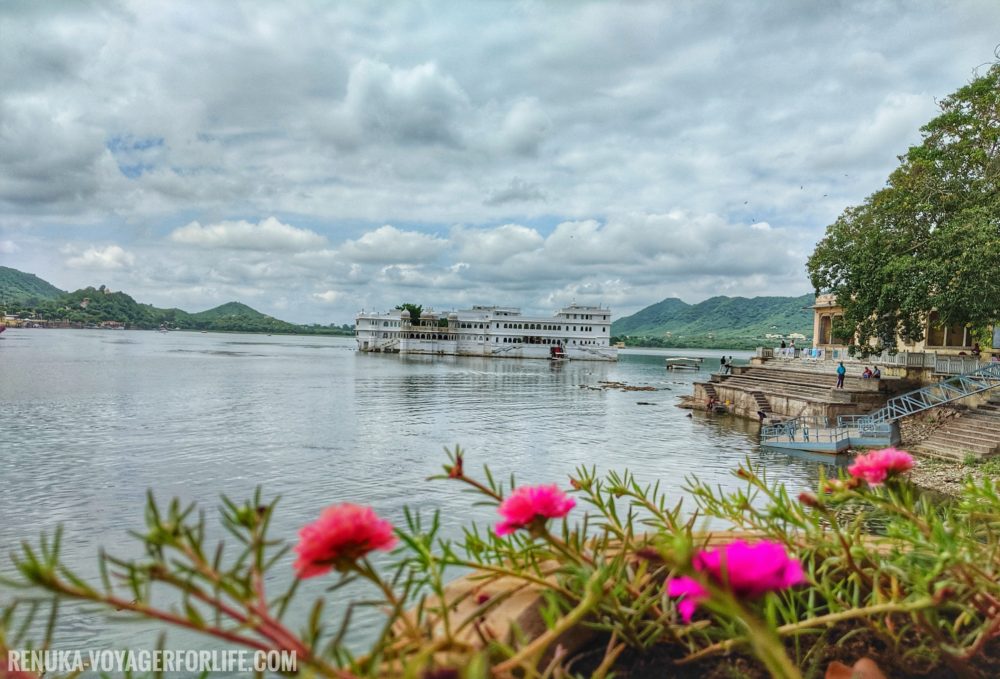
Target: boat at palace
{"type": "Point", "coordinates": [581, 333]}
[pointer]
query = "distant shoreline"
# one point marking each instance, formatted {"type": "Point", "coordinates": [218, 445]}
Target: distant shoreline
{"type": "Point", "coordinates": [194, 330]}
{"type": "Point", "coordinates": [724, 345]}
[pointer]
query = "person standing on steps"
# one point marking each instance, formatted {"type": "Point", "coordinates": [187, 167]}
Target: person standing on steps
{"type": "Point", "coordinates": [841, 371]}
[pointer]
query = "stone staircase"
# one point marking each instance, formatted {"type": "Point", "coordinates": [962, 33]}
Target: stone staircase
{"type": "Point", "coordinates": [782, 392]}
{"type": "Point", "coordinates": [763, 406]}
{"type": "Point", "coordinates": [974, 433]}
{"type": "Point", "coordinates": [805, 384]}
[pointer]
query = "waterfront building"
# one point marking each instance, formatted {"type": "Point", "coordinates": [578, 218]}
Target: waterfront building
{"type": "Point", "coordinates": [954, 340]}
{"type": "Point", "coordinates": [576, 332]}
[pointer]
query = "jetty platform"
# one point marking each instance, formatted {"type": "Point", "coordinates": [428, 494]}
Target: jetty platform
{"type": "Point", "coordinates": [803, 391]}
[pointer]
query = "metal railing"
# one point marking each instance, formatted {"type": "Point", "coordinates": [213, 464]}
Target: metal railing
{"type": "Point", "coordinates": [789, 427]}
{"type": "Point", "coordinates": [879, 423]}
{"type": "Point", "coordinates": [803, 430]}
{"type": "Point", "coordinates": [905, 359]}
{"type": "Point", "coordinates": [957, 365]}
{"type": "Point", "coordinates": [958, 386]}
{"type": "Point", "coordinates": [862, 426]}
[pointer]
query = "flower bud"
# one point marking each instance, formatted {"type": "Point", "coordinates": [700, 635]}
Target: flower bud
{"type": "Point", "coordinates": [809, 500]}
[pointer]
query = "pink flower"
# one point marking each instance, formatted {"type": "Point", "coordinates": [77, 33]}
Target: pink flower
{"type": "Point", "coordinates": [747, 570]}
{"type": "Point", "coordinates": [529, 503]}
{"type": "Point", "coordinates": [692, 591]}
{"type": "Point", "coordinates": [750, 570]}
{"type": "Point", "coordinates": [340, 536]}
{"type": "Point", "coordinates": [878, 465]}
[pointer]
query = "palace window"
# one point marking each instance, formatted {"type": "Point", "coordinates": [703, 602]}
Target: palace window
{"type": "Point", "coordinates": [951, 336]}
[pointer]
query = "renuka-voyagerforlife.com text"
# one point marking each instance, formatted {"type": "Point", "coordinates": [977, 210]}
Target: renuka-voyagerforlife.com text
{"type": "Point", "coordinates": [155, 660]}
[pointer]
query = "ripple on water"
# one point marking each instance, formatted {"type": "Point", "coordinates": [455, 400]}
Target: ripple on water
{"type": "Point", "coordinates": [90, 424]}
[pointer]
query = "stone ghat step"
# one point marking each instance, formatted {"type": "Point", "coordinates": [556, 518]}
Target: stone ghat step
{"type": "Point", "coordinates": [965, 438]}
{"type": "Point", "coordinates": [824, 369]}
{"type": "Point", "coordinates": [783, 387]}
{"type": "Point", "coordinates": [966, 425]}
{"type": "Point", "coordinates": [828, 378]}
{"type": "Point", "coordinates": [820, 367]}
{"type": "Point", "coordinates": [954, 449]}
{"type": "Point", "coordinates": [931, 450]}
{"type": "Point", "coordinates": [985, 419]}
{"type": "Point", "coordinates": [751, 385]}
{"type": "Point", "coordinates": [983, 416]}
{"type": "Point", "coordinates": [815, 388]}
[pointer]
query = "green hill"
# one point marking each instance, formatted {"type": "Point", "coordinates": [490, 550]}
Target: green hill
{"type": "Point", "coordinates": [236, 316]}
{"type": "Point", "coordinates": [20, 287]}
{"type": "Point", "coordinates": [723, 322]}
{"type": "Point", "coordinates": [30, 296]}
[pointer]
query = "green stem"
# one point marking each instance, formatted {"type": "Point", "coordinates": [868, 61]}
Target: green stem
{"type": "Point", "coordinates": [367, 571]}
{"type": "Point", "coordinates": [819, 621]}
{"type": "Point", "coordinates": [530, 652]}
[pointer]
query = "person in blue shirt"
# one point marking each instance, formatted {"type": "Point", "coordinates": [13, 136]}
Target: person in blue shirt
{"type": "Point", "coordinates": [841, 371]}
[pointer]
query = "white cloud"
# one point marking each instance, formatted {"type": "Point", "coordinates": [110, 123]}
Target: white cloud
{"type": "Point", "coordinates": [625, 153]}
{"type": "Point", "coordinates": [418, 105]}
{"type": "Point", "coordinates": [328, 296]}
{"type": "Point", "coordinates": [495, 245]}
{"type": "Point", "coordinates": [517, 191]}
{"type": "Point", "coordinates": [268, 234]}
{"type": "Point", "coordinates": [389, 244]}
{"type": "Point", "coordinates": [108, 258]}
{"type": "Point", "coordinates": [524, 127]}
{"type": "Point", "coordinates": [8, 247]}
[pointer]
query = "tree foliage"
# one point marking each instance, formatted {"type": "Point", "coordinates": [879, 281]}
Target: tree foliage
{"type": "Point", "coordinates": [928, 241]}
{"type": "Point", "coordinates": [414, 309]}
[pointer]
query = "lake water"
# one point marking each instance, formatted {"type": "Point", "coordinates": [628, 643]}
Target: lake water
{"type": "Point", "coordinates": [92, 419]}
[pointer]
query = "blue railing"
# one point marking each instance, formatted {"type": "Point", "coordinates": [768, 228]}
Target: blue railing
{"type": "Point", "coordinates": [959, 386]}
{"type": "Point", "coordinates": [798, 428]}
{"type": "Point", "coordinates": [861, 426]}
{"type": "Point", "coordinates": [878, 425]}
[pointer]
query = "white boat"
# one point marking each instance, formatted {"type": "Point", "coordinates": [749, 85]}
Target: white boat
{"type": "Point", "coordinates": [581, 333]}
{"type": "Point", "coordinates": [683, 363]}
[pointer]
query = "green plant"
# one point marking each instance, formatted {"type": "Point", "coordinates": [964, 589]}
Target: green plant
{"type": "Point", "coordinates": [882, 562]}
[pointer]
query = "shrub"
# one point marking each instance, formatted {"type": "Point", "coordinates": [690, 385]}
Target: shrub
{"type": "Point", "coordinates": [613, 557]}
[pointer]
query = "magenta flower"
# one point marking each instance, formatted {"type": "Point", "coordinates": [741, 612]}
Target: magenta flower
{"type": "Point", "coordinates": [878, 465]}
{"type": "Point", "coordinates": [692, 591]}
{"type": "Point", "coordinates": [528, 504]}
{"type": "Point", "coordinates": [746, 570]}
{"type": "Point", "coordinates": [339, 537]}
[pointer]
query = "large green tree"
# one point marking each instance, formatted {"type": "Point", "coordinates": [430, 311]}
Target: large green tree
{"type": "Point", "coordinates": [928, 241]}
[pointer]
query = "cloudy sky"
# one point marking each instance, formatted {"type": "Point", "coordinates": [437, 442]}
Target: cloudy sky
{"type": "Point", "coordinates": [315, 158]}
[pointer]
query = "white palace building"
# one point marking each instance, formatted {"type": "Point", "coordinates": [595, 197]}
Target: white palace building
{"type": "Point", "coordinates": [576, 333]}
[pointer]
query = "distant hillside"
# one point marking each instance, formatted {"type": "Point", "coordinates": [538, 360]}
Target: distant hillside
{"type": "Point", "coordinates": [19, 287]}
{"type": "Point", "coordinates": [720, 321]}
{"type": "Point", "coordinates": [30, 296]}
{"type": "Point", "coordinates": [235, 316]}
